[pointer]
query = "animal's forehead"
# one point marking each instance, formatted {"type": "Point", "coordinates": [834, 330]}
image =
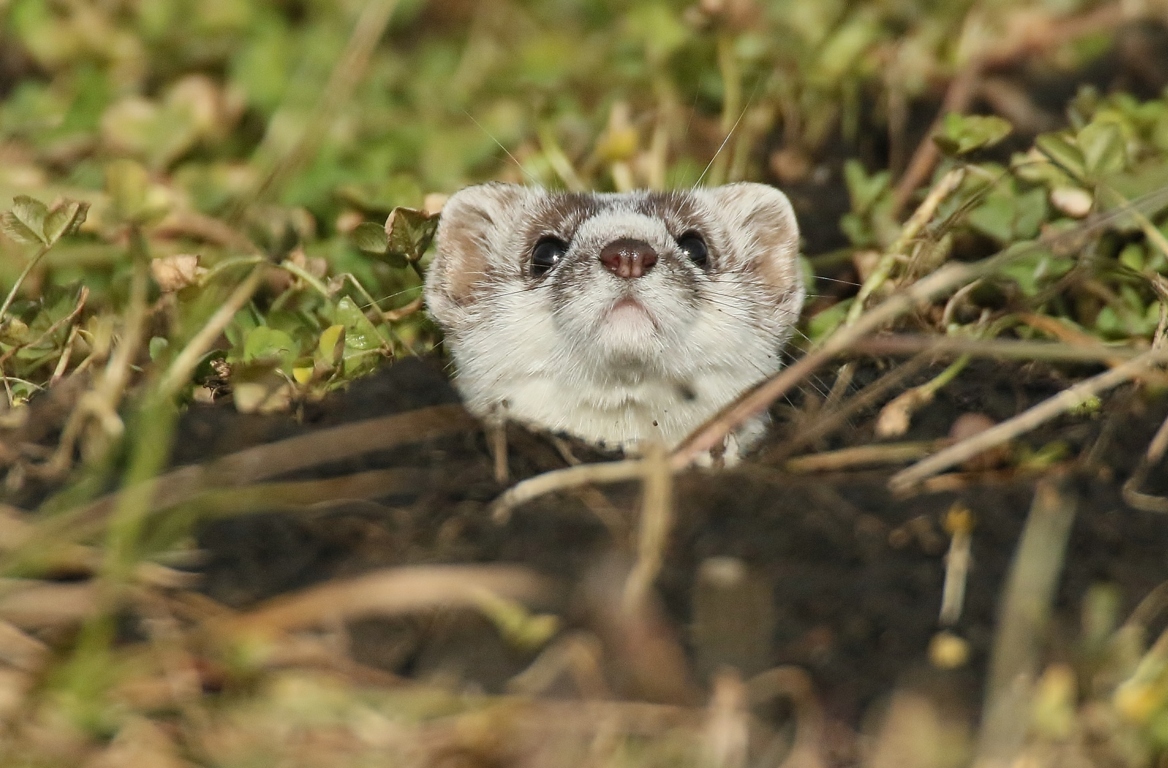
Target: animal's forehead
{"type": "Point", "coordinates": [563, 213]}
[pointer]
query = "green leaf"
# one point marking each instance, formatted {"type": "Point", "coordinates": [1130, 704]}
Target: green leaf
{"type": "Point", "coordinates": [135, 198]}
{"type": "Point", "coordinates": [331, 346]}
{"type": "Point", "coordinates": [864, 190]}
{"type": "Point", "coordinates": [370, 237]}
{"type": "Point", "coordinates": [961, 134]}
{"type": "Point", "coordinates": [1108, 324]}
{"type": "Point", "coordinates": [1036, 268]}
{"type": "Point", "coordinates": [1132, 256]}
{"type": "Point", "coordinates": [264, 343]}
{"type": "Point", "coordinates": [1030, 211]}
{"type": "Point", "coordinates": [31, 213]}
{"type": "Point", "coordinates": [303, 371]}
{"type": "Point", "coordinates": [1140, 181]}
{"type": "Point", "coordinates": [856, 229]}
{"type": "Point", "coordinates": [409, 232]}
{"type": "Point", "coordinates": [360, 334]}
{"type": "Point", "coordinates": [158, 346]}
{"type": "Point", "coordinates": [1103, 147]}
{"type": "Point", "coordinates": [362, 341]}
{"type": "Point", "coordinates": [822, 324]}
{"type": "Point", "coordinates": [1062, 153]}
{"type": "Point", "coordinates": [65, 219]}
{"type": "Point", "coordinates": [994, 217]}
{"type": "Point", "coordinates": [18, 230]}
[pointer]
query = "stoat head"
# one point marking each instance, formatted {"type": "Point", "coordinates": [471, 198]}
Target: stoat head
{"type": "Point", "coordinates": [614, 289]}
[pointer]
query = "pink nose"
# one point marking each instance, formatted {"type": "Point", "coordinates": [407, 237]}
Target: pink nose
{"type": "Point", "coordinates": [628, 258]}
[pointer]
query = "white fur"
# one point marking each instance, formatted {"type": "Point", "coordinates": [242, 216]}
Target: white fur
{"type": "Point", "coordinates": [617, 378]}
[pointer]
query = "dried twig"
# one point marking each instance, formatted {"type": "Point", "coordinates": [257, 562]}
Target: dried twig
{"type": "Point", "coordinates": [911, 229]}
{"type": "Point", "coordinates": [795, 684]}
{"type": "Point", "coordinates": [1025, 613]}
{"type": "Point", "coordinates": [827, 423]}
{"type": "Point", "coordinates": [1013, 349]}
{"type": "Point", "coordinates": [1146, 502]}
{"type": "Point", "coordinates": [562, 479]}
{"type": "Point", "coordinates": [388, 592]}
{"type": "Point", "coordinates": [31, 604]}
{"type": "Point", "coordinates": [271, 460]}
{"type": "Point", "coordinates": [1069, 398]}
{"type": "Point", "coordinates": [656, 522]}
{"type": "Point", "coordinates": [861, 455]}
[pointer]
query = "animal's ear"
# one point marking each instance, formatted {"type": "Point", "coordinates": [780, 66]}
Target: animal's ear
{"type": "Point", "coordinates": [465, 233]}
{"type": "Point", "coordinates": [761, 221]}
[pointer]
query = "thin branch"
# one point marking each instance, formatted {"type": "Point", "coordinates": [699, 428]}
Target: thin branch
{"type": "Point", "coordinates": [40, 254]}
{"type": "Point", "coordinates": [1013, 349]}
{"type": "Point", "coordinates": [562, 479]}
{"type": "Point", "coordinates": [1066, 400]}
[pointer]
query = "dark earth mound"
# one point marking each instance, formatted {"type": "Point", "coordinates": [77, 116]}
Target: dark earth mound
{"type": "Point", "coordinates": [854, 573]}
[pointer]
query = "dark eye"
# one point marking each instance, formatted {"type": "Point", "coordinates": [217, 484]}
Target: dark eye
{"type": "Point", "coordinates": [694, 247]}
{"type": "Point", "coordinates": [546, 254]}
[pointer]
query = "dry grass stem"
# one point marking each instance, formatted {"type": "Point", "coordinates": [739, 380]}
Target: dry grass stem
{"type": "Point", "coordinates": [827, 423]}
{"type": "Point", "coordinates": [21, 650]}
{"type": "Point", "coordinates": [656, 523]}
{"type": "Point", "coordinates": [909, 232]}
{"type": "Point", "coordinates": [30, 604]}
{"type": "Point", "coordinates": [1011, 349]}
{"type": "Point", "coordinates": [388, 592]}
{"type": "Point", "coordinates": [301, 494]}
{"type": "Point", "coordinates": [861, 455]}
{"type": "Point", "coordinates": [896, 417]}
{"type": "Point", "coordinates": [497, 443]}
{"type": "Point", "coordinates": [959, 558]}
{"type": "Point", "coordinates": [726, 740]}
{"type": "Point", "coordinates": [290, 455]}
{"type": "Point", "coordinates": [1026, 608]}
{"type": "Point", "coordinates": [794, 684]}
{"type": "Point", "coordinates": [1070, 398]}
{"type": "Point", "coordinates": [563, 479]}
{"type": "Point", "coordinates": [1146, 502]}
{"type": "Point", "coordinates": [576, 654]}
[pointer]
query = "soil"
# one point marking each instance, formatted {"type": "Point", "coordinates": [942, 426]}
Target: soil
{"type": "Point", "coordinates": [852, 573]}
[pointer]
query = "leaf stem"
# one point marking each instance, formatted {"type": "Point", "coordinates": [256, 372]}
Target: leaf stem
{"type": "Point", "coordinates": [20, 280]}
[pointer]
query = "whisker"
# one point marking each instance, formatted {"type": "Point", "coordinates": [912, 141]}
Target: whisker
{"type": "Point", "coordinates": [852, 283]}
{"type": "Point", "coordinates": [534, 181]}
{"type": "Point", "coordinates": [729, 135]}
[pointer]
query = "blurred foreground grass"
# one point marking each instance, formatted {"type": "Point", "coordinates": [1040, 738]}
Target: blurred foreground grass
{"type": "Point", "coordinates": [228, 166]}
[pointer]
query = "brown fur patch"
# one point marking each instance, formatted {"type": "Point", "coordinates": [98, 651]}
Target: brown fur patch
{"type": "Point", "coordinates": [469, 264]}
{"type": "Point", "coordinates": [464, 262]}
{"type": "Point", "coordinates": [559, 215]}
{"type": "Point", "coordinates": [774, 236]}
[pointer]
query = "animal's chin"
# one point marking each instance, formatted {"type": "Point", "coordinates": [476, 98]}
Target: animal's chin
{"type": "Point", "coordinates": [627, 328]}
